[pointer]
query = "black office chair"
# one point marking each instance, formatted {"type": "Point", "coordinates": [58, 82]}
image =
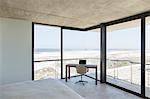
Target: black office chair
{"type": "Point", "coordinates": [82, 61]}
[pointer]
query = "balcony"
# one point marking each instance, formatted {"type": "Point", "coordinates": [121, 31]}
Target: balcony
{"type": "Point", "coordinates": [124, 73]}
{"type": "Point", "coordinates": [52, 68]}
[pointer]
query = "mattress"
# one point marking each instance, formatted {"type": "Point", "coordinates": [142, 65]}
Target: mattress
{"type": "Point", "coordinates": [41, 89]}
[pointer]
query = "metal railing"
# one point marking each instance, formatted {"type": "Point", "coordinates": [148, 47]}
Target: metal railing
{"type": "Point", "coordinates": [112, 65]}
{"type": "Point", "coordinates": [53, 66]}
{"type": "Point", "coordinates": [129, 70]}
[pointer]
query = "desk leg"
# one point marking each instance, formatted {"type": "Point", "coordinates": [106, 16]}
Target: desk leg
{"type": "Point", "coordinates": [66, 73]}
{"type": "Point", "coordinates": [69, 72]}
{"type": "Point", "coordinates": [96, 75]}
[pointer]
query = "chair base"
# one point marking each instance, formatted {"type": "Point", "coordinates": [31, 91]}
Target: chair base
{"type": "Point", "coordinates": [81, 81]}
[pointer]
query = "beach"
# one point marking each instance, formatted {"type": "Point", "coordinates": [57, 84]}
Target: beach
{"type": "Point", "coordinates": [69, 57]}
{"type": "Point", "coordinates": [123, 65]}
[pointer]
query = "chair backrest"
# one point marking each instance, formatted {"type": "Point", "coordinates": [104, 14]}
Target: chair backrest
{"type": "Point", "coordinates": [82, 61]}
{"type": "Point", "coordinates": [81, 69]}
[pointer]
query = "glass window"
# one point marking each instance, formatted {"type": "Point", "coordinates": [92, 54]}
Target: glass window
{"type": "Point", "coordinates": [81, 45]}
{"type": "Point", "coordinates": [123, 55]}
{"type": "Point", "coordinates": [46, 52]}
{"type": "Point", "coordinates": [147, 67]}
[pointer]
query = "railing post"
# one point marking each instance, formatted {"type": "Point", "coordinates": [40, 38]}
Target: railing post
{"type": "Point", "coordinates": [148, 79]}
{"type": "Point", "coordinates": [103, 54]}
{"type": "Point", "coordinates": [143, 56]}
{"type": "Point", "coordinates": [131, 74]}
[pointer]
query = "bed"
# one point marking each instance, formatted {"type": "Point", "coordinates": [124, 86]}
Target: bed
{"type": "Point", "coordinates": [42, 89]}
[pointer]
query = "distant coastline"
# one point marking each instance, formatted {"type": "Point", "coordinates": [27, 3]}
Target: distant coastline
{"type": "Point", "coordinates": [39, 50]}
{"type": "Point", "coordinates": [56, 50]}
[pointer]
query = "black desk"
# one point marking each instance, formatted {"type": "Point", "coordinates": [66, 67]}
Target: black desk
{"type": "Point", "coordinates": [74, 65]}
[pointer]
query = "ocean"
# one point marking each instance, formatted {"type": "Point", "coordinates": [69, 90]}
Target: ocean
{"type": "Point", "coordinates": [40, 50]}
{"type": "Point", "coordinates": [36, 51]}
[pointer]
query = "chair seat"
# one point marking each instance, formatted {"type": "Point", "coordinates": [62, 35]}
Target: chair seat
{"type": "Point", "coordinates": [82, 70]}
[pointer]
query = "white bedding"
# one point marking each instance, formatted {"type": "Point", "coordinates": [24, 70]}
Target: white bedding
{"type": "Point", "coordinates": [42, 89]}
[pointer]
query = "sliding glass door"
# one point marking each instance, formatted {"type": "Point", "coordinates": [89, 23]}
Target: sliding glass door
{"type": "Point", "coordinates": [124, 55]}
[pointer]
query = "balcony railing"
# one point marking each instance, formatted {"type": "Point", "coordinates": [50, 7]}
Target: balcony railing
{"type": "Point", "coordinates": [52, 68]}
{"type": "Point", "coordinates": [127, 71]}
{"type": "Point", "coordinates": [124, 70]}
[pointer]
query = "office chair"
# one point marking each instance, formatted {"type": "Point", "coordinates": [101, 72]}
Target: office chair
{"type": "Point", "coordinates": [82, 61]}
{"type": "Point", "coordinates": [82, 70]}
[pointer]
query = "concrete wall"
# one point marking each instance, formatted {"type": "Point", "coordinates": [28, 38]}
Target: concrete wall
{"type": "Point", "coordinates": [15, 50]}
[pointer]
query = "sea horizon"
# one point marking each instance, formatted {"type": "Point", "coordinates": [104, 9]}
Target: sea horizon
{"type": "Point", "coordinates": [38, 50]}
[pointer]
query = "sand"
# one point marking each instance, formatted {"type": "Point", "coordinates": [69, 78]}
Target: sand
{"type": "Point", "coordinates": [124, 70]}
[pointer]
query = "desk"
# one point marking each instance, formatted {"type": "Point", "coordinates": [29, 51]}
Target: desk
{"type": "Point", "coordinates": [74, 65]}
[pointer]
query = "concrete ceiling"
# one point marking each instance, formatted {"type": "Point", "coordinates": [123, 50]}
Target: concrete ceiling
{"type": "Point", "coordinates": [73, 13]}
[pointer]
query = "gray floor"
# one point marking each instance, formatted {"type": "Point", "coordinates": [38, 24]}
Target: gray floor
{"type": "Point", "coordinates": [100, 91]}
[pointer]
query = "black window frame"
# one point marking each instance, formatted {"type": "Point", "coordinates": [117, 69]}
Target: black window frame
{"type": "Point", "coordinates": [103, 52]}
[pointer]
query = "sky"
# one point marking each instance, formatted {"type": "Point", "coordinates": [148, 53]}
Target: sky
{"type": "Point", "coordinates": [49, 37]}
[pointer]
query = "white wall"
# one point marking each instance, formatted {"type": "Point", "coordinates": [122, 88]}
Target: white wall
{"type": "Point", "coordinates": [0, 52]}
{"type": "Point", "coordinates": [15, 50]}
